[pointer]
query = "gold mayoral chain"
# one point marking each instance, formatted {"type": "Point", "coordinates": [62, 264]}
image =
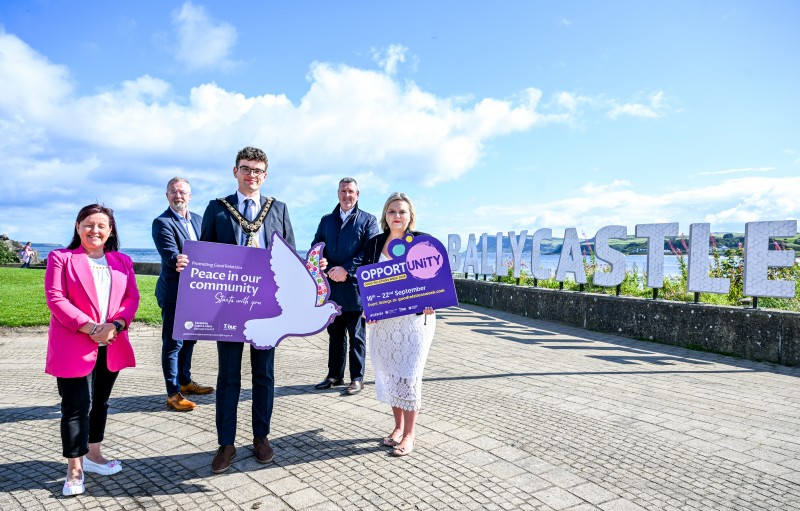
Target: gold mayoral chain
{"type": "Point", "coordinates": [249, 228]}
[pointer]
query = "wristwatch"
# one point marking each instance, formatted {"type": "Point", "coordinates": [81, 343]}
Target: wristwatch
{"type": "Point", "coordinates": [118, 326]}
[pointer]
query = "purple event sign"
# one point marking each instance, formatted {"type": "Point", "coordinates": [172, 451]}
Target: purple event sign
{"type": "Point", "coordinates": [244, 294]}
{"type": "Point", "coordinates": [417, 276]}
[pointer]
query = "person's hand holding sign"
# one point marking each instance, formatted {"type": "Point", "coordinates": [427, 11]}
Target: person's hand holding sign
{"type": "Point", "coordinates": [181, 262]}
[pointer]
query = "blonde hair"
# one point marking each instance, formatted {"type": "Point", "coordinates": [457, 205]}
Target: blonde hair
{"type": "Point", "coordinates": [405, 198]}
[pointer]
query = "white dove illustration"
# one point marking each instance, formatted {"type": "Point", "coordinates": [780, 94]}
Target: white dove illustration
{"type": "Point", "coordinates": [297, 297]}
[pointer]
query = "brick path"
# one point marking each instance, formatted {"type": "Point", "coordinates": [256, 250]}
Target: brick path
{"type": "Point", "coordinates": [517, 414]}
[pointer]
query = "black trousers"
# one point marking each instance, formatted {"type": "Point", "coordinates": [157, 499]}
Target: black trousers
{"type": "Point", "coordinates": [229, 385]}
{"type": "Point", "coordinates": [352, 324]}
{"type": "Point", "coordinates": [84, 407]}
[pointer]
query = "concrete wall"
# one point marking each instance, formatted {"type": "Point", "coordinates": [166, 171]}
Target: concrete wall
{"type": "Point", "coordinates": [755, 334]}
{"type": "Point", "coordinates": [147, 268]}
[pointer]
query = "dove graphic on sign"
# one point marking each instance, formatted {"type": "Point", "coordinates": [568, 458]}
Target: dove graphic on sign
{"type": "Point", "coordinates": [302, 296]}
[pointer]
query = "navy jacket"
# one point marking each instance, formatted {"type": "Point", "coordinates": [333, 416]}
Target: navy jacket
{"type": "Point", "coordinates": [344, 246]}
{"type": "Point", "coordinates": [169, 235]}
{"type": "Point", "coordinates": [220, 226]}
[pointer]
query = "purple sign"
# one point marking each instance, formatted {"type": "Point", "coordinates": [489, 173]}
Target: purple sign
{"type": "Point", "coordinates": [417, 276]}
{"type": "Point", "coordinates": [244, 294]}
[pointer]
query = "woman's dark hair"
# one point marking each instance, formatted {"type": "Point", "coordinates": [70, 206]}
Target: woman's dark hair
{"type": "Point", "coordinates": [112, 243]}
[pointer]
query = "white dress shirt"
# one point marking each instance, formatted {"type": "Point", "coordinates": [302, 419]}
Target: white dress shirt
{"type": "Point", "coordinates": [186, 222]}
{"type": "Point", "coordinates": [262, 238]}
{"type": "Point", "coordinates": [102, 284]}
{"type": "Point", "coordinates": [345, 214]}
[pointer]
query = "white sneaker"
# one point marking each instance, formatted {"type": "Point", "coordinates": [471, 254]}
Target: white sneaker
{"type": "Point", "coordinates": [105, 469]}
{"type": "Point", "coordinates": [74, 487]}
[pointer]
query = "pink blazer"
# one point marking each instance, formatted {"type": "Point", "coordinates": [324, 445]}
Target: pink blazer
{"type": "Point", "coordinates": [72, 299]}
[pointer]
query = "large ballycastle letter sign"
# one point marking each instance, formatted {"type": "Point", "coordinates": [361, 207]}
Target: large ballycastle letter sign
{"type": "Point", "coordinates": [758, 257]}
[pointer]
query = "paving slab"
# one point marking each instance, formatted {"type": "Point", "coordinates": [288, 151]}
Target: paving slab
{"type": "Point", "coordinates": [517, 414]}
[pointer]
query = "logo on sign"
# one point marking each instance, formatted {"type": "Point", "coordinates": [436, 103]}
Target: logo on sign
{"type": "Point", "coordinates": [424, 261]}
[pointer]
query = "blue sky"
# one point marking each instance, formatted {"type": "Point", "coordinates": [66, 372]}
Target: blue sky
{"type": "Point", "coordinates": [519, 116]}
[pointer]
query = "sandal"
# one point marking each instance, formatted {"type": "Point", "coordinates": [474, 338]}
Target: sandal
{"type": "Point", "coordinates": [391, 442]}
{"type": "Point", "coordinates": [404, 451]}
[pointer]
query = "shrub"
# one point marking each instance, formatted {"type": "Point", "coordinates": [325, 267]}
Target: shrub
{"type": "Point", "coordinates": [7, 256]}
{"type": "Point", "coordinates": [729, 266]}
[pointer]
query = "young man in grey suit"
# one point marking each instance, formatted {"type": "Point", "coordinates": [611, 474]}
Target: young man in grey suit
{"type": "Point", "coordinates": [170, 230]}
{"type": "Point", "coordinates": [245, 218]}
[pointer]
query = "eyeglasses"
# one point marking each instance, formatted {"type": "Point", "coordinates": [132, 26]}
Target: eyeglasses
{"type": "Point", "coordinates": [249, 171]}
{"type": "Point", "coordinates": [178, 192]}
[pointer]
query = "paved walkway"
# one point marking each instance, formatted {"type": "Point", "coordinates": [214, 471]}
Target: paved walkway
{"type": "Point", "coordinates": [517, 414]}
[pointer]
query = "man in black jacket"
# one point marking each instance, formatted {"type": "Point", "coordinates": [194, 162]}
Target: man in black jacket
{"type": "Point", "coordinates": [345, 232]}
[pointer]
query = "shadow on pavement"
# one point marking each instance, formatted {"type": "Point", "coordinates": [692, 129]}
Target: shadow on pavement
{"type": "Point", "coordinates": [135, 479]}
{"type": "Point", "coordinates": [182, 473]}
{"type": "Point", "coordinates": [505, 326]}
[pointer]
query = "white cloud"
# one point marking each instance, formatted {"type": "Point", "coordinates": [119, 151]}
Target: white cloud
{"type": "Point", "coordinates": [655, 107]}
{"type": "Point", "coordinates": [727, 206]}
{"type": "Point", "coordinates": [571, 101]}
{"type": "Point", "coordinates": [140, 132]}
{"type": "Point", "coordinates": [29, 83]}
{"type": "Point", "coordinates": [736, 171]}
{"type": "Point", "coordinates": [389, 59]}
{"type": "Point", "coordinates": [359, 118]}
{"type": "Point", "coordinates": [574, 106]}
{"type": "Point", "coordinates": [202, 42]}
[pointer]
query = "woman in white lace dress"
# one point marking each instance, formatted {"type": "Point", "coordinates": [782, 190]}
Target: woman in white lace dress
{"type": "Point", "coordinates": [399, 346]}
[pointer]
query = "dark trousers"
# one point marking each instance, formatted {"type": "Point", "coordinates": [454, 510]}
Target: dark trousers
{"type": "Point", "coordinates": [229, 384]}
{"type": "Point", "coordinates": [348, 323]}
{"type": "Point", "coordinates": [84, 407]}
{"type": "Point", "coordinates": [176, 354]}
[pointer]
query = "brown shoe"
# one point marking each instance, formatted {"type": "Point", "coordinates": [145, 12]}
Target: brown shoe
{"type": "Point", "coordinates": [263, 450]}
{"type": "Point", "coordinates": [223, 459]}
{"type": "Point", "coordinates": [194, 388]}
{"type": "Point", "coordinates": [179, 403]}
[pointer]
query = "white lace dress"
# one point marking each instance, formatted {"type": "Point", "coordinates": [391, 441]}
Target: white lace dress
{"type": "Point", "coordinates": [398, 349]}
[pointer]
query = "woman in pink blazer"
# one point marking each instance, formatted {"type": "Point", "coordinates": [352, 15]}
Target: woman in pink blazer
{"type": "Point", "coordinates": [91, 292]}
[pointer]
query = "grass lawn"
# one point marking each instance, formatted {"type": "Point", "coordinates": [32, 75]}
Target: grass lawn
{"type": "Point", "coordinates": [22, 298]}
